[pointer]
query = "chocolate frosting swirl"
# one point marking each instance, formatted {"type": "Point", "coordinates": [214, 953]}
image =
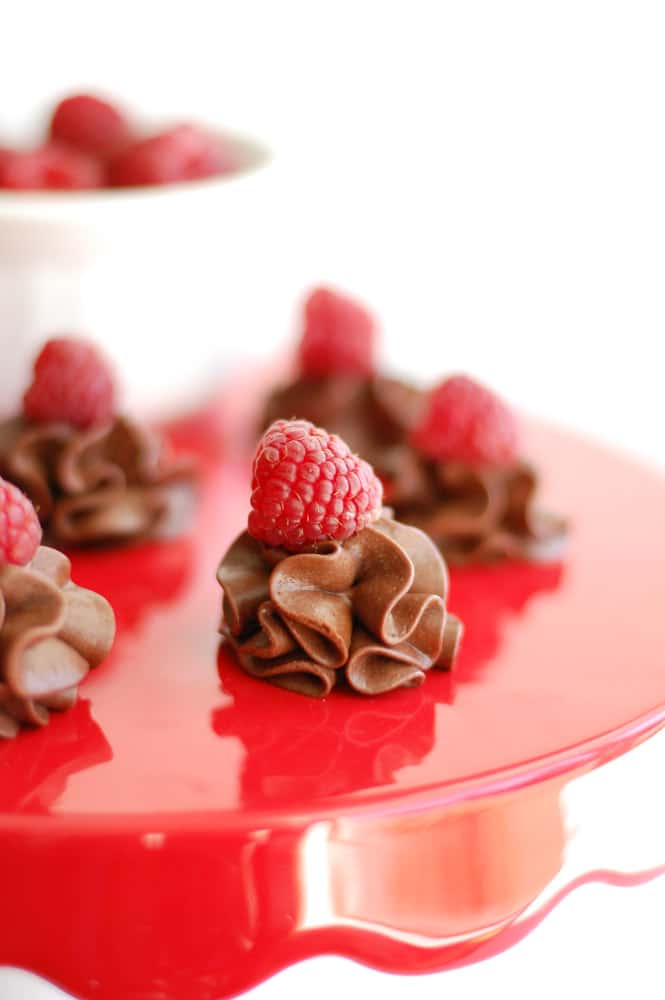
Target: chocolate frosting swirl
{"type": "Point", "coordinates": [473, 514]}
{"type": "Point", "coordinates": [480, 514]}
{"type": "Point", "coordinates": [108, 484]}
{"type": "Point", "coordinates": [371, 610]}
{"type": "Point", "coordinates": [51, 633]}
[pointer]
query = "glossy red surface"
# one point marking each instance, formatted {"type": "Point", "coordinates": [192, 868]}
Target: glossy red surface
{"type": "Point", "coordinates": [186, 830]}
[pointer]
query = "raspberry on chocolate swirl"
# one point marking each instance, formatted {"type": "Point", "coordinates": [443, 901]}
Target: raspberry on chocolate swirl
{"type": "Point", "coordinates": [94, 477]}
{"type": "Point", "coordinates": [51, 631]}
{"type": "Point", "coordinates": [373, 415]}
{"type": "Point", "coordinates": [337, 386]}
{"type": "Point", "coordinates": [448, 460]}
{"type": "Point", "coordinates": [354, 597]}
{"type": "Point", "coordinates": [473, 494]}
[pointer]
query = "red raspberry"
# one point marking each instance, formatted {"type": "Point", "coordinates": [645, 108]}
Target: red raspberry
{"type": "Point", "coordinates": [339, 336]}
{"type": "Point", "coordinates": [90, 125]}
{"type": "Point", "coordinates": [465, 422]}
{"type": "Point", "coordinates": [51, 167]}
{"type": "Point", "coordinates": [182, 153]}
{"type": "Point", "coordinates": [20, 530]}
{"type": "Point", "coordinates": [307, 486]}
{"type": "Point", "coordinates": [72, 383]}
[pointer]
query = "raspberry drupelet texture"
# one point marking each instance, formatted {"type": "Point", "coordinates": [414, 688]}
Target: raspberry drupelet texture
{"type": "Point", "coordinates": [20, 530]}
{"type": "Point", "coordinates": [72, 383]}
{"type": "Point", "coordinates": [90, 125]}
{"type": "Point", "coordinates": [307, 487]}
{"type": "Point", "coordinates": [339, 336]}
{"type": "Point", "coordinates": [465, 422]}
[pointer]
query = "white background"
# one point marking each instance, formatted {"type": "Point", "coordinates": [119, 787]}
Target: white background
{"type": "Point", "coordinates": [490, 177]}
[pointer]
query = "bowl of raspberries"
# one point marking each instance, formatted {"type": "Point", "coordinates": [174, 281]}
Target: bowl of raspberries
{"type": "Point", "coordinates": [92, 144]}
{"type": "Point", "coordinates": [137, 233]}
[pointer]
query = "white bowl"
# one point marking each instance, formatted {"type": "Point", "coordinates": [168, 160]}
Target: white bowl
{"type": "Point", "coordinates": [157, 275]}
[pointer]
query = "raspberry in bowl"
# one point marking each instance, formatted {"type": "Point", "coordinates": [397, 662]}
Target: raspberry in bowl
{"type": "Point", "coordinates": [90, 125]}
{"type": "Point", "coordinates": [92, 143]}
{"type": "Point", "coordinates": [144, 231]}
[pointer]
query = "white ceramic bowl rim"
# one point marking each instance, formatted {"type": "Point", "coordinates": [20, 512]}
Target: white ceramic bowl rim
{"type": "Point", "coordinates": [17, 205]}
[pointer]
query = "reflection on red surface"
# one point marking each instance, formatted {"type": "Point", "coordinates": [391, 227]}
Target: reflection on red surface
{"type": "Point", "coordinates": [309, 750]}
{"type": "Point", "coordinates": [197, 836]}
{"type": "Point", "coordinates": [448, 873]}
{"type": "Point", "coordinates": [506, 591]}
{"type": "Point", "coordinates": [153, 576]}
{"type": "Point", "coordinates": [64, 747]}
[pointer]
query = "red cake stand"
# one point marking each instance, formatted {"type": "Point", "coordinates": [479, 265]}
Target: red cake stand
{"type": "Point", "coordinates": [185, 831]}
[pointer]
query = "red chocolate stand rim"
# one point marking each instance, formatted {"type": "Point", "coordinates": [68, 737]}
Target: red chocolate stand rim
{"type": "Point", "coordinates": [571, 761]}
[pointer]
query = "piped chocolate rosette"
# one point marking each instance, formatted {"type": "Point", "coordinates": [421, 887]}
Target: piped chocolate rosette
{"type": "Point", "coordinates": [52, 632]}
{"type": "Point", "coordinates": [94, 477]}
{"type": "Point", "coordinates": [325, 588]}
{"type": "Point", "coordinates": [448, 459]}
{"type": "Point", "coordinates": [337, 386]}
{"type": "Point", "coordinates": [469, 489]}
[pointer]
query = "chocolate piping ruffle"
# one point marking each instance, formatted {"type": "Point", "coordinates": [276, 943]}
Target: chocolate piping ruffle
{"type": "Point", "coordinates": [111, 483]}
{"type": "Point", "coordinates": [473, 515]}
{"type": "Point", "coordinates": [51, 634]}
{"type": "Point", "coordinates": [371, 609]}
{"type": "Point", "coordinates": [485, 514]}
